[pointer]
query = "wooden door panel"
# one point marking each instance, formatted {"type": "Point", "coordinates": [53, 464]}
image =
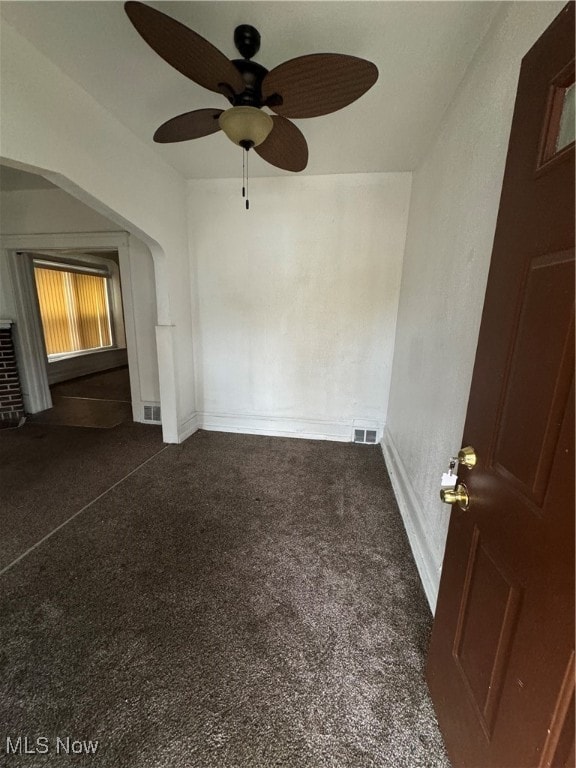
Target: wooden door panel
{"type": "Point", "coordinates": [485, 629]}
{"type": "Point", "coordinates": [501, 659]}
{"type": "Point", "coordinates": [545, 362]}
{"type": "Point", "coordinates": [558, 751]}
{"type": "Point", "coordinates": [544, 643]}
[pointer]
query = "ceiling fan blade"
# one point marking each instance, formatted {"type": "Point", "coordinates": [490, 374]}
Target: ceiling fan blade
{"type": "Point", "coordinates": [285, 147]}
{"type": "Point", "coordinates": [190, 125]}
{"type": "Point", "coordinates": [318, 84]}
{"type": "Point", "coordinates": [185, 50]}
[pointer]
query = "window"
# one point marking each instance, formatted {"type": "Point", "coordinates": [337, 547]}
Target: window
{"type": "Point", "coordinates": [558, 128]}
{"type": "Point", "coordinates": [566, 126]}
{"type": "Point", "coordinates": [74, 307]}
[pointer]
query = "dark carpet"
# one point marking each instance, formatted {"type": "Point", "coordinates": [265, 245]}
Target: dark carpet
{"type": "Point", "coordinates": [47, 473]}
{"type": "Point", "coordinates": [106, 385]}
{"type": "Point", "coordinates": [84, 412]}
{"type": "Point", "coordinates": [99, 401]}
{"type": "Point", "coordinates": [238, 602]}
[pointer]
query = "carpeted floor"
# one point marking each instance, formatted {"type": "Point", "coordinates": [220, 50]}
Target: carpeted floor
{"type": "Point", "coordinates": [237, 602]}
{"type": "Point", "coordinates": [84, 412]}
{"type": "Point", "coordinates": [47, 473]}
{"type": "Point", "coordinates": [106, 385]}
{"type": "Point", "coordinates": [99, 401]}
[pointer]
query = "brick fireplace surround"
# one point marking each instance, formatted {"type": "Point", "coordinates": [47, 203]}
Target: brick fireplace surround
{"type": "Point", "coordinates": [11, 403]}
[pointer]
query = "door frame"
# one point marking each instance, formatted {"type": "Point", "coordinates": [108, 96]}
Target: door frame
{"type": "Point", "coordinates": [29, 337]}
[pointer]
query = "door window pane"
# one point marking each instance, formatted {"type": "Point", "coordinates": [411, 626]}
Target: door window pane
{"type": "Point", "coordinates": [566, 130]}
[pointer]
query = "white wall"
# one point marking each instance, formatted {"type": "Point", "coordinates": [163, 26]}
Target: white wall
{"type": "Point", "coordinates": [48, 122]}
{"type": "Point", "coordinates": [48, 210]}
{"type": "Point", "coordinates": [53, 211]}
{"type": "Point", "coordinates": [144, 309]}
{"type": "Point", "coordinates": [298, 300]}
{"type": "Point", "coordinates": [455, 198]}
{"type": "Point", "coordinates": [7, 299]}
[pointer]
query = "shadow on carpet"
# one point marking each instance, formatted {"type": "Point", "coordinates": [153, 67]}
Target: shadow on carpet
{"type": "Point", "coordinates": [240, 602]}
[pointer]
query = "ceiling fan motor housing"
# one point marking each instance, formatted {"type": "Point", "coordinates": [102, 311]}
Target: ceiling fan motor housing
{"type": "Point", "coordinates": [247, 40]}
{"type": "Point", "coordinates": [253, 74]}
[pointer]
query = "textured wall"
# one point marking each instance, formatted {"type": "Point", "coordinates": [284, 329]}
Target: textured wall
{"type": "Point", "coordinates": [48, 210]}
{"type": "Point", "coordinates": [455, 198]}
{"type": "Point", "coordinates": [298, 298]}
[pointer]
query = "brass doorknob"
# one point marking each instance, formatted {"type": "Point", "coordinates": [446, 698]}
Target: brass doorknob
{"type": "Point", "coordinates": [458, 495]}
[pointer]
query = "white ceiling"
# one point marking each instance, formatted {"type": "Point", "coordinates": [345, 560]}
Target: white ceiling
{"type": "Point", "coordinates": [421, 49]}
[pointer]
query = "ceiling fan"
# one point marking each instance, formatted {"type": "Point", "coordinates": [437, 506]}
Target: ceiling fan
{"type": "Point", "coordinates": [306, 86]}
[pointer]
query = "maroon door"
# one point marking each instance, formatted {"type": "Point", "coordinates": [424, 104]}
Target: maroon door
{"type": "Point", "coordinates": [501, 663]}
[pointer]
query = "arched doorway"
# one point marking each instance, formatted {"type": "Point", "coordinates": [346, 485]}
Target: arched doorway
{"type": "Point", "coordinates": [77, 227]}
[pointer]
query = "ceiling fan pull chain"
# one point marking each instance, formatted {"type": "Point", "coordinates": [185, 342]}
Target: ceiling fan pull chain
{"type": "Point", "coordinates": [247, 200]}
{"type": "Point", "coordinates": [243, 174]}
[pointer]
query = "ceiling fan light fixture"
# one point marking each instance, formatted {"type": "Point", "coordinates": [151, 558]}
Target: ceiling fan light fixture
{"type": "Point", "coordinates": [246, 126]}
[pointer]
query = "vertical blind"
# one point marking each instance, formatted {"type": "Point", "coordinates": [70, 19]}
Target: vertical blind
{"type": "Point", "coordinates": [74, 310]}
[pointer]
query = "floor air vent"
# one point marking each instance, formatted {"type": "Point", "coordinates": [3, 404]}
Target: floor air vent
{"type": "Point", "coordinates": [364, 435]}
{"type": "Point", "coordinates": [152, 413]}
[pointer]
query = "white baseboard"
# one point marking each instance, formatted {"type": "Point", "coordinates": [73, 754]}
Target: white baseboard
{"type": "Point", "coordinates": [188, 427]}
{"type": "Point", "coordinates": [278, 427]}
{"type": "Point", "coordinates": [82, 365]}
{"type": "Point", "coordinates": [309, 429]}
{"type": "Point", "coordinates": [412, 515]}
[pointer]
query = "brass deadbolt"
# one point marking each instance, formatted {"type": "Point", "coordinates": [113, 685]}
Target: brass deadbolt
{"type": "Point", "coordinates": [458, 495]}
{"type": "Point", "coordinates": [467, 457]}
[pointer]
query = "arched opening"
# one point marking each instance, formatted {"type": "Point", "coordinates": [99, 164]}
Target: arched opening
{"type": "Point", "coordinates": [47, 218]}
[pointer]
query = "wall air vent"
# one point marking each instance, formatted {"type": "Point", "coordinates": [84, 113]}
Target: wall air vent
{"type": "Point", "coordinates": [152, 414]}
{"type": "Point", "coordinates": [365, 435]}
